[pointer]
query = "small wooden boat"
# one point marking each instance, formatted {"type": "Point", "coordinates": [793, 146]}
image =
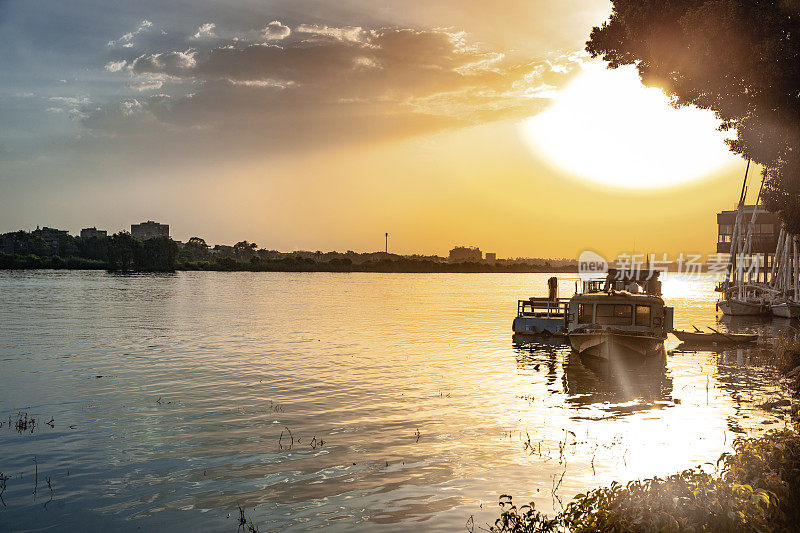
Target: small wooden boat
{"type": "Point", "coordinates": [716, 337]}
{"type": "Point", "coordinates": [786, 309]}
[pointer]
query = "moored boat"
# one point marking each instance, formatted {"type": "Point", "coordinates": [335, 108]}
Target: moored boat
{"type": "Point", "coordinates": [786, 309]}
{"type": "Point", "coordinates": [735, 307]}
{"type": "Point", "coordinates": [608, 324]}
{"type": "Point", "coordinates": [541, 317]}
{"type": "Point", "coordinates": [700, 337]}
{"type": "Point", "coordinates": [609, 344]}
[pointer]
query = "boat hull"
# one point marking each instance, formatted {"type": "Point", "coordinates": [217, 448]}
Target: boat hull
{"type": "Point", "coordinates": [786, 310]}
{"type": "Point", "coordinates": [537, 326]}
{"type": "Point", "coordinates": [609, 345]}
{"type": "Point", "coordinates": [740, 308]}
{"type": "Point", "coordinates": [691, 337]}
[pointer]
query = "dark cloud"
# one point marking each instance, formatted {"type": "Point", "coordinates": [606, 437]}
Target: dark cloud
{"type": "Point", "coordinates": [326, 84]}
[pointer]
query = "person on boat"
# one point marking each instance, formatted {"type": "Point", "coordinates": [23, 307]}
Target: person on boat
{"type": "Point", "coordinates": [552, 286]}
{"type": "Point", "coordinates": [654, 284]}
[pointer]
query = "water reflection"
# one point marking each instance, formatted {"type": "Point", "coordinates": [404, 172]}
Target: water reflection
{"type": "Point", "coordinates": [625, 386]}
{"type": "Point", "coordinates": [618, 387]}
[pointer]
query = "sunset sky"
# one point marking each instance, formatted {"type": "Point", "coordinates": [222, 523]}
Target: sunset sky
{"type": "Point", "coordinates": [315, 125]}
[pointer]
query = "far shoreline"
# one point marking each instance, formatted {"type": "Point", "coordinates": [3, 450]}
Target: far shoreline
{"type": "Point", "coordinates": [458, 268]}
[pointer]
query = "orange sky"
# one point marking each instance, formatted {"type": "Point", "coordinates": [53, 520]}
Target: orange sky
{"type": "Point", "coordinates": [425, 132]}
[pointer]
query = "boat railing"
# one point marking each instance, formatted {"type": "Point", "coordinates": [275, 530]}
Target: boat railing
{"type": "Point", "coordinates": [543, 307]}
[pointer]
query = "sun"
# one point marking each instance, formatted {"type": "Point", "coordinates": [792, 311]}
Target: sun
{"type": "Point", "coordinates": [606, 127]}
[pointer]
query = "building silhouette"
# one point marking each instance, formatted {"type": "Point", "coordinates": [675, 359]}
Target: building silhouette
{"type": "Point", "coordinates": [51, 237]}
{"type": "Point", "coordinates": [88, 233]}
{"type": "Point", "coordinates": [149, 230]}
{"type": "Point", "coordinates": [764, 239]}
{"type": "Point", "coordinates": [463, 254]}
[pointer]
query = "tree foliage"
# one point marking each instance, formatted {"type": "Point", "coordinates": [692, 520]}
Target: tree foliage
{"type": "Point", "coordinates": [740, 59]}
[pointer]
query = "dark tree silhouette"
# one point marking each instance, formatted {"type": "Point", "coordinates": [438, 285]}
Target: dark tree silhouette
{"type": "Point", "coordinates": [244, 251]}
{"type": "Point", "coordinates": [124, 252]}
{"type": "Point", "coordinates": [196, 249]}
{"type": "Point", "coordinates": [739, 58]}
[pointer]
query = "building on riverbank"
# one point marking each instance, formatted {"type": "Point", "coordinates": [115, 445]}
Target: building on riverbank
{"type": "Point", "coordinates": [51, 237]}
{"type": "Point", "coordinates": [464, 254]}
{"type": "Point", "coordinates": [766, 228]}
{"type": "Point", "coordinates": [88, 233]}
{"type": "Point", "coordinates": [149, 230]}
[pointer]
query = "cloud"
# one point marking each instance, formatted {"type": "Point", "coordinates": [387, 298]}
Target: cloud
{"type": "Point", "coordinates": [126, 41]}
{"type": "Point", "coordinates": [146, 85]}
{"type": "Point", "coordinates": [205, 31]}
{"type": "Point", "coordinates": [275, 31]}
{"type": "Point", "coordinates": [347, 33]}
{"type": "Point", "coordinates": [71, 106]}
{"type": "Point", "coordinates": [169, 63]}
{"type": "Point", "coordinates": [336, 85]}
{"type": "Point", "coordinates": [115, 66]}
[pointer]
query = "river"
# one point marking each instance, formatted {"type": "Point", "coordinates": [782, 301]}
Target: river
{"type": "Point", "coordinates": [337, 401]}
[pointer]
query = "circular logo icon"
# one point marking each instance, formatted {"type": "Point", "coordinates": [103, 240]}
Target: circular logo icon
{"type": "Point", "coordinates": [591, 265]}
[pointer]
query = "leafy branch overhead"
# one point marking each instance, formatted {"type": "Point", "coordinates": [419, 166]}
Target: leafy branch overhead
{"type": "Point", "coordinates": [740, 59]}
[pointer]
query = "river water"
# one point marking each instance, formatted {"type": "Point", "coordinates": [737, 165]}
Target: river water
{"type": "Point", "coordinates": [337, 401]}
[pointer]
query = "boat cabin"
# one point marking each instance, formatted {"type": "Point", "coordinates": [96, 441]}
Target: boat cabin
{"type": "Point", "coordinates": [640, 313]}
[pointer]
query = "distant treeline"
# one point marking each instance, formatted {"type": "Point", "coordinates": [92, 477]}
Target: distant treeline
{"type": "Point", "coordinates": [123, 252]}
{"type": "Point", "coordinates": [120, 251]}
{"type": "Point", "coordinates": [303, 264]}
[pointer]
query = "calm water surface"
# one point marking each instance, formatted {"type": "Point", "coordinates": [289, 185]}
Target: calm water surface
{"type": "Point", "coordinates": [338, 401]}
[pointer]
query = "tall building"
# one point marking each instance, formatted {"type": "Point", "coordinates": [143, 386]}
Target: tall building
{"type": "Point", "coordinates": [491, 257]}
{"type": "Point", "coordinates": [462, 254]}
{"type": "Point", "coordinates": [88, 233]}
{"type": "Point", "coordinates": [149, 229]}
{"type": "Point", "coordinates": [50, 237]}
{"type": "Point", "coordinates": [764, 239]}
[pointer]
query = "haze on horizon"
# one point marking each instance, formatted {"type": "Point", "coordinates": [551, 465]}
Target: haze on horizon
{"type": "Point", "coordinates": [298, 124]}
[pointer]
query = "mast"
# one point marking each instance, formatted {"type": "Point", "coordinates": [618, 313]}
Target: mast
{"type": "Point", "coordinates": [748, 243]}
{"type": "Point", "coordinates": [730, 275]}
{"type": "Point", "coordinates": [796, 269]}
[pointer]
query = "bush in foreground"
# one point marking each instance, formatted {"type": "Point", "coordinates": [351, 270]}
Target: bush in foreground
{"type": "Point", "coordinates": [756, 490]}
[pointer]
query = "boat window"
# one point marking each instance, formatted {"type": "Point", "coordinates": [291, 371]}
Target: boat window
{"type": "Point", "coordinates": [616, 315]}
{"type": "Point", "coordinates": [642, 315]}
{"type": "Point", "coordinates": [585, 314]}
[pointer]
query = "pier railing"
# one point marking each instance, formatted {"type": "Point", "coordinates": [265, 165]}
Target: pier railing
{"type": "Point", "coordinates": [543, 307]}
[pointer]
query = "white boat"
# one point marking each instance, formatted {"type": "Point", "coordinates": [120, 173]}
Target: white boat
{"type": "Point", "coordinates": [786, 309]}
{"type": "Point", "coordinates": [611, 324]}
{"type": "Point", "coordinates": [735, 307]}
